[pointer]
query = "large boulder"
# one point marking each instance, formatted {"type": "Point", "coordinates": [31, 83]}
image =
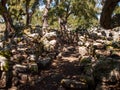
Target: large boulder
{"type": "Point", "coordinates": [107, 73]}
{"type": "Point", "coordinates": [85, 81]}
{"type": "Point", "coordinates": [49, 41]}
{"type": "Point", "coordinates": [83, 51]}
{"type": "Point", "coordinates": [50, 35]}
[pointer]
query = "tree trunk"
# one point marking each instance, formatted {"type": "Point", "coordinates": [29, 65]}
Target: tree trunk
{"type": "Point", "coordinates": [27, 13]}
{"type": "Point", "coordinates": [45, 15]}
{"type": "Point", "coordinates": [62, 23]}
{"type": "Point", "coordinates": [8, 21]}
{"type": "Point", "coordinates": [106, 19]}
{"type": "Point", "coordinates": [27, 19]}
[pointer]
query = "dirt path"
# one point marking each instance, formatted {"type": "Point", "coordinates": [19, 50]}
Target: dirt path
{"type": "Point", "coordinates": [65, 67]}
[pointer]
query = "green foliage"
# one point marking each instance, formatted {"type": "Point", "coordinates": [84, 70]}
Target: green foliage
{"type": "Point", "coordinates": [6, 53]}
{"type": "Point", "coordinates": [19, 8]}
{"type": "Point", "coordinates": [33, 67]}
{"type": "Point", "coordinates": [37, 19]}
{"type": "Point", "coordinates": [6, 67]}
{"type": "Point", "coordinates": [117, 9]}
{"type": "Point", "coordinates": [78, 12]}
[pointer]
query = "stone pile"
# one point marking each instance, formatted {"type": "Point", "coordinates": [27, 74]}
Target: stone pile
{"type": "Point", "coordinates": [99, 55]}
{"type": "Point", "coordinates": [22, 65]}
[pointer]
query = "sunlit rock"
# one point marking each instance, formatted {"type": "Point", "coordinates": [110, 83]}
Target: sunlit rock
{"type": "Point", "coordinates": [32, 57]}
{"type": "Point", "coordinates": [49, 41]}
{"type": "Point", "coordinates": [116, 36]}
{"type": "Point", "coordinates": [83, 51]}
{"type": "Point", "coordinates": [50, 35]}
{"type": "Point", "coordinates": [20, 68]}
{"type": "Point", "coordinates": [1, 44]}
{"type": "Point", "coordinates": [73, 84]}
{"type": "Point", "coordinates": [3, 63]}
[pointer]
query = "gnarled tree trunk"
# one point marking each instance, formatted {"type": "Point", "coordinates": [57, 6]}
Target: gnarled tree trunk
{"type": "Point", "coordinates": [8, 20]}
{"type": "Point", "coordinates": [9, 26]}
{"type": "Point", "coordinates": [106, 20]}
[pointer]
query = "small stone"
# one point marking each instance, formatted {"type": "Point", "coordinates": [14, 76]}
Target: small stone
{"type": "Point", "coordinates": [59, 56]}
{"type": "Point", "coordinates": [13, 88]}
{"type": "Point", "coordinates": [20, 68]}
{"type": "Point", "coordinates": [32, 57]}
{"type": "Point", "coordinates": [54, 64]}
{"type": "Point", "coordinates": [24, 78]}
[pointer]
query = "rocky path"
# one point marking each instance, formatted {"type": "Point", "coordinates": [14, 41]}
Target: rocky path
{"type": "Point", "coordinates": [92, 64]}
{"type": "Point", "coordinates": [64, 66]}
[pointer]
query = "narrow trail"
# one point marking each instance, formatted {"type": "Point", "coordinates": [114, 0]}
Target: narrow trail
{"type": "Point", "coordinates": [65, 66]}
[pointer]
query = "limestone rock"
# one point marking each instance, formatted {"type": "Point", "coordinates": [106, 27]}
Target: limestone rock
{"type": "Point", "coordinates": [99, 45]}
{"type": "Point", "coordinates": [50, 35]}
{"type": "Point", "coordinates": [73, 84]}
{"type": "Point", "coordinates": [107, 72]}
{"type": "Point", "coordinates": [32, 58]}
{"type": "Point", "coordinates": [116, 36]}
{"type": "Point", "coordinates": [20, 68]}
{"type": "Point", "coordinates": [1, 44]}
{"type": "Point", "coordinates": [3, 63]}
{"type": "Point", "coordinates": [3, 80]}
{"type": "Point", "coordinates": [83, 50]}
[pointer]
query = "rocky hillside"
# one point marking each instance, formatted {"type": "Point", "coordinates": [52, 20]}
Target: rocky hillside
{"type": "Point", "coordinates": [77, 60]}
